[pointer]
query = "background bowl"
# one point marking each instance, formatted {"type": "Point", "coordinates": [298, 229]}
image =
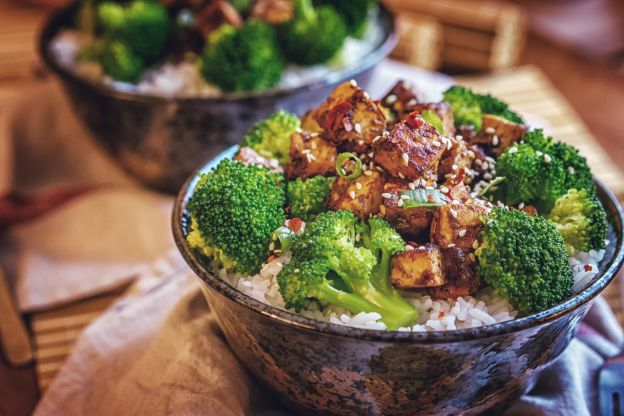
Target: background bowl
{"type": "Point", "coordinates": [338, 370]}
{"type": "Point", "coordinates": [161, 140]}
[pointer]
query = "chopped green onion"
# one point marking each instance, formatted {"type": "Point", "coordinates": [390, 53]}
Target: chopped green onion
{"type": "Point", "coordinates": [492, 186]}
{"type": "Point", "coordinates": [342, 171]}
{"type": "Point", "coordinates": [422, 198]}
{"type": "Point", "coordinates": [283, 238]}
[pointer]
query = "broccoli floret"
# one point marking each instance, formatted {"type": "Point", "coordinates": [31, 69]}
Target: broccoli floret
{"type": "Point", "coordinates": [329, 244]}
{"type": "Point", "coordinates": [314, 35]}
{"type": "Point", "coordinates": [143, 25]}
{"type": "Point", "coordinates": [120, 62]}
{"type": "Point", "coordinates": [271, 137]}
{"type": "Point", "coordinates": [354, 12]}
{"type": "Point", "coordinates": [581, 220]}
{"type": "Point", "coordinates": [469, 107]}
{"type": "Point", "coordinates": [538, 171]}
{"type": "Point", "coordinates": [236, 208]}
{"type": "Point", "coordinates": [524, 258]}
{"type": "Point", "coordinates": [243, 59]}
{"type": "Point", "coordinates": [306, 197]}
{"type": "Point", "coordinates": [433, 118]}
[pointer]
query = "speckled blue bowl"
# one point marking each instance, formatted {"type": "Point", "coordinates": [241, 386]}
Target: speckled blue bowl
{"type": "Point", "coordinates": [161, 140]}
{"type": "Point", "coordinates": [329, 369]}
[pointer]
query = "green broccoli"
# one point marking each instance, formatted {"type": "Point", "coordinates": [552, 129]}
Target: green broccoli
{"type": "Point", "coordinates": [242, 59]}
{"type": "Point", "coordinates": [469, 107]}
{"type": "Point", "coordinates": [434, 119]}
{"type": "Point", "coordinates": [329, 243]}
{"type": "Point", "coordinates": [538, 171]}
{"type": "Point", "coordinates": [143, 25]}
{"type": "Point", "coordinates": [354, 12]}
{"type": "Point", "coordinates": [120, 62]}
{"type": "Point", "coordinates": [234, 211]}
{"type": "Point", "coordinates": [524, 258]}
{"type": "Point", "coordinates": [581, 220]}
{"type": "Point", "coordinates": [314, 35]}
{"type": "Point", "coordinates": [306, 197]}
{"type": "Point", "coordinates": [271, 137]}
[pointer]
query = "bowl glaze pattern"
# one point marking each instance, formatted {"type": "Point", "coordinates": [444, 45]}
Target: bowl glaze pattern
{"type": "Point", "coordinates": [322, 368]}
{"type": "Point", "coordinates": [161, 140]}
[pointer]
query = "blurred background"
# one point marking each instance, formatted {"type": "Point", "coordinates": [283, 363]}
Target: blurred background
{"type": "Point", "coordinates": [571, 51]}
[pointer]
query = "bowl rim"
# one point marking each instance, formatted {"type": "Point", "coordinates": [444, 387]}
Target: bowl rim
{"type": "Point", "coordinates": [299, 322]}
{"type": "Point", "coordinates": [54, 23]}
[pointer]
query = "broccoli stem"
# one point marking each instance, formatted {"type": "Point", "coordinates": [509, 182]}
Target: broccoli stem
{"type": "Point", "coordinates": [352, 302]}
{"type": "Point", "coordinates": [305, 9]}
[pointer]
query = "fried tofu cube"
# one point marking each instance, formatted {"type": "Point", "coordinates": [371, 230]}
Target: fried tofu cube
{"type": "Point", "coordinates": [361, 195]}
{"type": "Point", "coordinates": [309, 122]}
{"type": "Point", "coordinates": [456, 156]}
{"type": "Point", "coordinates": [499, 133]}
{"type": "Point", "coordinates": [411, 150]}
{"type": "Point", "coordinates": [411, 222]}
{"type": "Point", "coordinates": [249, 156]}
{"type": "Point", "coordinates": [310, 155]}
{"type": "Point", "coordinates": [418, 268]}
{"type": "Point", "coordinates": [457, 225]}
{"type": "Point", "coordinates": [459, 267]}
{"type": "Point", "coordinates": [350, 115]}
{"type": "Point", "coordinates": [444, 111]}
{"type": "Point", "coordinates": [400, 100]}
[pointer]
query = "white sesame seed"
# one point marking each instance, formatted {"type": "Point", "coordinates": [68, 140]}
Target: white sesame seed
{"type": "Point", "coordinates": [490, 130]}
{"type": "Point", "coordinates": [387, 195]}
{"type": "Point", "coordinates": [297, 270]}
{"type": "Point", "coordinates": [461, 233]}
{"type": "Point", "coordinates": [513, 149]}
{"type": "Point", "coordinates": [360, 142]}
{"type": "Point", "coordinates": [409, 248]}
{"type": "Point", "coordinates": [485, 165]}
{"type": "Point", "coordinates": [454, 166]}
{"type": "Point", "coordinates": [313, 145]}
{"type": "Point", "coordinates": [453, 212]}
{"type": "Point", "coordinates": [444, 189]}
{"type": "Point", "coordinates": [368, 173]}
{"type": "Point", "coordinates": [487, 176]}
{"type": "Point", "coordinates": [371, 155]}
{"type": "Point", "coordinates": [495, 141]}
{"type": "Point", "coordinates": [547, 158]}
{"type": "Point", "coordinates": [405, 159]}
{"type": "Point", "coordinates": [429, 187]}
{"type": "Point", "coordinates": [451, 245]}
{"type": "Point", "coordinates": [436, 143]}
{"type": "Point", "coordinates": [405, 196]}
{"type": "Point", "coordinates": [472, 257]}
{"type": "Point", "coordinates": [358, 185]}
{"type": "Point", "coordinates": [459, 137]}
{"type": "Point", "coordinates": [358, 128]}
{"type": "Point", "coordinates": [412, 102]}
{"type": "Point", "coordinates": [571, 170]}
{"type": "Point", "coordinates": [353, 83]}
{"type": "Point", "coordinates": [314, 134]}
{"type": "Point", "coordinates": [352, 194]}
{"type": "Point", "coordinates": [401, 175]}
{"type": "Point", "coordinates": [376, 138]}
{"type": "Point", "coordinates": [391, 99]}
{"type": "Point", "coordinates": [411, 185]}
{"type": "Point", "coordinates": [400, 203]}
{"type": "Point", "coordinates": [475, 244]}
{"type": "Point", "coordinates": [521, 205]}
{"type": "Point", "coordinates": [366, 95]}
{"type": "Point", "coordinates": [271, 246]}
{"type": "Point", "coordinates": [539, 154]}
{"type": "Point", "coordinates": [422, 247]}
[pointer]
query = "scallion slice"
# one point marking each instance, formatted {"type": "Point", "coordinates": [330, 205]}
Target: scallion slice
{"type": "Point", "coordinates": [342, 170]}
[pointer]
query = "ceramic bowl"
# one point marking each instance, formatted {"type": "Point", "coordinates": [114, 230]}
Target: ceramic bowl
{"type": "Point", "coordinates": [161, 140]}
{"type": "Point", "coordinates": [323, 368]}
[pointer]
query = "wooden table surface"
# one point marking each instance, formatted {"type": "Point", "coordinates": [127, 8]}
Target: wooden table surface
{"type": "Point", "coordinates": [594, 88]}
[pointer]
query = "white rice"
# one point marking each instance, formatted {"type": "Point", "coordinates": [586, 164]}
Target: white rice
{"type": "Point", "coordinates": [185, 80]}
{"type": "Point", "coordinates": [434, 315]}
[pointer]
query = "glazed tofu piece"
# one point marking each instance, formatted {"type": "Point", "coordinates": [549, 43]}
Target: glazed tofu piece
{"type": "Point", "coordinates": [459, 266]}
{"type": "Point", "coordinates": [411, 150]}
{"type": "Point", "coordinates": [309, 123]}
{"type": "Point", "coordinates": [457, 225]}
{"type": "Point", "coordinates": [351, 116]}
{"type": "Point", "coordinates": [249, 156]}
{"type": "Point", "coordinates": [413, 223]}
{"type": "Point", "coordinates": [418, 268]}
{"type": "Point", "coordinates": [498, 134]}
{"type": "Point", "coordinates": [444, 111]}
{"type": "Point", "coordinates": [274, 12]}
{"type": "Point", "coordinates": [456, 156]}
{"type": "Point", "coordinates": [400, 100]}
{"type": "Point", "coordinates": [361, 195]}
{"type": "Point", "coordinates": [310, 155]}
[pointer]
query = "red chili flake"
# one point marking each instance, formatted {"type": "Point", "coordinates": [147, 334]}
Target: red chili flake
{"type": "Point", "coordinates": [295, 224]}
{"type": "Point", "coordinates": [441, 314]}
{"type": "Point", "coordinates": [588, 268]}
{"type": "Point", "coordinates": [413, 244]}
{"type": "Point", "coordinates": [413, 120]}
{"type": "Point", "coordinates": [271, 258]}
{"type": "Point", "coordinates": [287, 210]}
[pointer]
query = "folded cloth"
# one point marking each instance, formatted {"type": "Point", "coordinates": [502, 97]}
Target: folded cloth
{"type": "Point", "coordinates": [144, 356]}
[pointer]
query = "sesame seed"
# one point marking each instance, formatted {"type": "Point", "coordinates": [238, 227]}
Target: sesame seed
{"type": "Point", "coordinates": [453, 212]}
{"type": "Point", "coordinates": [352, 194]}
{"type": "Point", "coordinates": [386, 195]}
{"type": "Point", "coordinates": [490, 130]}
{"type": "Point", "coordinates": [273, 163]}
{"type": "Point", "coordinates": [271, 246]}
{"type": "Point", "coordinates": [495, 141]}
{"type": "Point", "coordinates": [405, 159]}
{"type": "Point", "coordinates": [454, 166]}
{"type": "Point", "coordinates": [571, 170]}
{"type": "Point", "coordinates": [313, 145]}
{"type": "Point", "coordinates": [547, 158]}
{"type": "Point", "coordinates": [401, 175]}
{"type": "Point", "coordinates": [422, 248]}
{"type": "Point", "coordinates": [444, 189]}
{"type": "Point", "coordinates": [478, 162]}
{"type": "Point", "coordinates": [314, 134]}
{"type": "Point", "coordinates": [368, 173]}
{"type": "Point", "coordinates": [382, 210]}
{"type": "Point", "coordinates": [405, 196]}
{"type": "Point", "coordinates": [485, 165]}
{"type": "Point", "coordinates": [385, 133]}
{"type": "Point", "coordinates": [412, 102]}
{"type": "Point", "coordinates": [472, 257]}
{"type": "Point", "coordinates": [297, 270]}
{"type": "Point", "coordinates": [366, 95]}
{"type": "Point", "coordinates": [409, 248]}
{"type": "Point", "coordinates": [391, 99]}
{"type": "Point", "coordinates": [360, 142]}
{"type": "Point", "coordinates": [459, 137]}
{"type": "Point", "coordinates": [381, 170]}
{"type": "Point", "coordinates": [461, 233]}
{"type": "Point", "coordinates": [358, 128]}
{"type": "Point", "coordinates": [436, 143]}
{"type": "Point", "coordinates": [539, 154]}
{"type": "Point", "coordinates": [298, 130]}
{"type": "Point", "coordinates": [358, 185]}
{"type": "Point", "coordinates": [376, 138]}
{"type": "Point", "coordinates": [357, 237]}
{"type": "Point", "coordinates": [487, 176]}
{"type": "Point", "coordinates": [429, 187]}
{"type": "Point", "coordinates": [400, 203]}
{"type": "Point", "coordinates": [353, 83]}
{"type": "Point", "coordinates": [521, 205]}
{"type": "Point", "coordinates": [411, 185]}
{"type": "Point", "coordinates": [475, 244]}
{"type": "Point", "coordinates": [451, 245]}
{"type": "Point", "coordinates": [513, 150]}
{"type": "Point", "coordinates": [371, 155]}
